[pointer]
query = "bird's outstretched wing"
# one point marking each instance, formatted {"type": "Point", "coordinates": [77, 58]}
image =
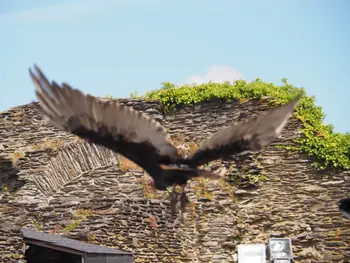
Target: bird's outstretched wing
{"type": "Point", "coordinates": [107, 123]}
{"type": "Point", "coordinates": [249, 135]}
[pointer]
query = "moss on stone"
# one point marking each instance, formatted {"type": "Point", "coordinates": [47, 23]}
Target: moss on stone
{"type": "Point", "coordinates": [327, 148]}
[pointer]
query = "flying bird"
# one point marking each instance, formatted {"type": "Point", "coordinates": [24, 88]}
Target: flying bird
{"type": "Point", "coordinates": [344, 207]}
{"type": "Point", "coordinates": [144, 141]}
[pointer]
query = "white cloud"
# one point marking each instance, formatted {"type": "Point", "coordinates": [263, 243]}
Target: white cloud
{"type": "Point", "coordinates": [218, 74]}
{"type": "Point", "coordinates": [62, 12]}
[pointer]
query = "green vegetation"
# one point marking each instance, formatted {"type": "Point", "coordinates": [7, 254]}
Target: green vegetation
{"type": "Point", "coordinates": [251, 179]}
{"type": "Point", "coordinates": [91, 237]}
{"type": "Point", "coordinates": [38, 225]}
{"type": "Point", "coordinates": [72, 225]}
{"type": "Point", "coordinates": [327, 148]}
{"type": "Point", "coordinates": [201, 189]}
{"type": "Point", "coordinates": [79, 216]}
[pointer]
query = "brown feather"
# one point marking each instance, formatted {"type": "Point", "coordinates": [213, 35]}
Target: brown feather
{"type": "Point", "coordinates": [251, 135]}
{"type": "Point", "coordinates": [143, 140]}
{"type": "Point", "coordinates": [108, 123]}
{"type": "Point", "coordinates": [59, 104]}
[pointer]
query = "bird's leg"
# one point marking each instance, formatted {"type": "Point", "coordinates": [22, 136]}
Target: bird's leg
{"type": "Point", "coordinates": [173, 200]}
{"type": "Point", "coordinates": [183, 199]}
{"type": "Point", "coordinates": [173, 192]}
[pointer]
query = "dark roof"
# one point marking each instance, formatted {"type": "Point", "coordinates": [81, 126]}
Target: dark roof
{"type": "Point", "coordinates": [68, 243]}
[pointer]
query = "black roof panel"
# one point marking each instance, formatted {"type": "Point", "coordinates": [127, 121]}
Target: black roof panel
{"type": "Point", "coordinates": [68, 243]}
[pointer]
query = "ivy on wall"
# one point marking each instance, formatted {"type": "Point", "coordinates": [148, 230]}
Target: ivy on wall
{"type": "Point", "coordinates": [327, 148]}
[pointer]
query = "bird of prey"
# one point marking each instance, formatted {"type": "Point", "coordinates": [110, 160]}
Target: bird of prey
{"type": "Point", "coordinates": [344, 207]}
{"type": "Point", "coordinates": [143, 140]}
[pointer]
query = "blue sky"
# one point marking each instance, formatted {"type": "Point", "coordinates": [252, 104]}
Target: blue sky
{"type": "Point", "coordinates": [117, 46]}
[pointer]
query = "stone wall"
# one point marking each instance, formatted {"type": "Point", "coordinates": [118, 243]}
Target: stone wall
{"type": "Point", "coordinates": [52, 181]}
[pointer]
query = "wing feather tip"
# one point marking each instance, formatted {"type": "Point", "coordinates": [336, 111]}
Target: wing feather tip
{"type": "Point", "coordinates": [153, 129]}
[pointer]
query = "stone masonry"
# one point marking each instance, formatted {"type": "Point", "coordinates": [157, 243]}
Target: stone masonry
{"type": "Point", "coordinates": [53, 181]}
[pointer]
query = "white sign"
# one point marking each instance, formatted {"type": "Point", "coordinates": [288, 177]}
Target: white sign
{"type": "Point", "coordinates": [252, 253]}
